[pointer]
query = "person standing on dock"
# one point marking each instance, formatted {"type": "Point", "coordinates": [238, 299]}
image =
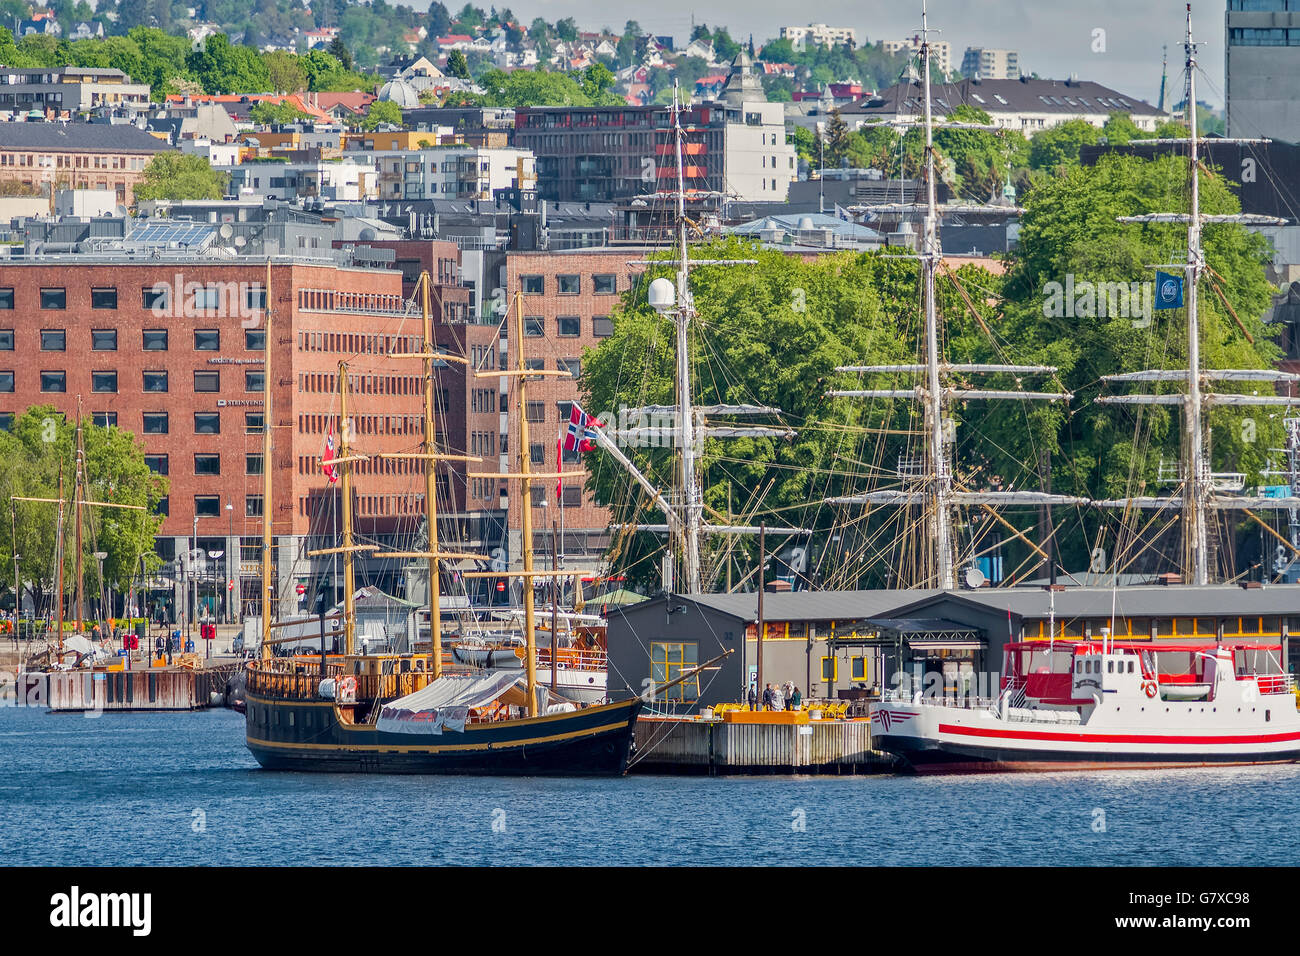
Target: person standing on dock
{"type": "Point", "coordinates": [769, 698]}
{"type": "Point", "coordinates": [796, 699]}
{"type": "Point", "coordinates": [753, 697]}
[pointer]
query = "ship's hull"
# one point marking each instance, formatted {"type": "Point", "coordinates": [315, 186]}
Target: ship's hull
{"type": "Point", "coordinates": [939, 739]}
{"type": "Point", "coordinates": [310, 736]}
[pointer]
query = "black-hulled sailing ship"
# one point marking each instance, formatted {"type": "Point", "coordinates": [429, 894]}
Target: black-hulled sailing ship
{"type": "Point", "coordinates": [403, 713]}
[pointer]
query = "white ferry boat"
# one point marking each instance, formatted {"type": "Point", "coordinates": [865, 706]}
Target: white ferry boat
{"type": "Point", "coordinates": [1083, 705]}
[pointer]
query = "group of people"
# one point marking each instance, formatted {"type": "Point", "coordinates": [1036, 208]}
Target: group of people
{"type": "Point", "coordinates": [776, 697]}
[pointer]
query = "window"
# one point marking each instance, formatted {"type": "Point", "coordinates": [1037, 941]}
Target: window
{"type": "Point", "coordinates": [6, 421]}
{"type": "Point", "coordinates": [207, 506]}
{"type": "Point", "coordinates": [103, 298]}
{"type": "Point", "coordinates": [858, 668]}
{"type": "Point", "coordinates": [568, 325]}
{"type": "Point", "coordinates": [155, 423]}
{"type": "Point", "coordinates": [104, 419]}
{"type": "Point", "coordinates": [7, 381]}
{"type": "Point", "coordinates": [253, 464]}
{"type": "Point", "coordinates": [53, 340]}
{"type": "Point", "coordinates": [207, 464]}
{"type": "Point", "coordinates": [670, 661]}
{"type": "Point", "coordinates": [207, 423]}
{"type": "Point", "coordinates": [6, 340]}
{"type": "Point", "coordinates": [155, 381]}
{"type": "Point", "coordinates": [103, 381]}
{"type": "Point", "coordinates": [571, 365]}
{"type": "Point", "coordinates": [605, 285]}
{"type": "Point", "coordinates": [533, 326]}
{"type": "Point", "coordinates": [103, 340]}
{"type": "Point", "coordinates": [537, 453]}
{"type": "Point", "coordinates": [207, 381]}
{"type": "Point", "coordinates": [54, 381]}
{"type": "Point", "coordinates": [54, 298]}
{"type": "Point", "coordinates": [536, 412]}
{"type": "Point", "coordinates": [156, 463]}
{"type": "Point", "coordinates": [255, 298]}
{"type": "Point", "coordinates": [569, 285]}
{"type": "Point", "coordinates": [155, 298]}
{"type": "Point", "coordinates": [253, 506]}
{"type": "Point", "coordinates": [155, 340]}
{"type": "Point", "coordinates": [531, 285]}
{"type": "Point", "coordinates": [6, 298]}
{"type": "Point", "coordinates": [207, 340]}
{"type": "Point", "coordinates": [830, 669]}
{"type": "Point", "coordinates": [254, 381]}
{"type": "Point", "coordinates": [602, 327]}
{"type": "Point", "coordinates": [534, 364]}
{"type": "Point", "coordinates": [252, 423]}
{"type": "Point", "coordinates": [255, 340]}
{"type": "Point", "coordinates": [572, 496]}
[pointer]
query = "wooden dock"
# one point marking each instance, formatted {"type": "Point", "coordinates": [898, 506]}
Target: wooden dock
{"type": "Point", "coordinates": [673, 745]}
{"type": "Point", "coordinates": [146, 689]}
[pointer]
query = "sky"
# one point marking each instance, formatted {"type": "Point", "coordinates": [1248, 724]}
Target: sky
{"type": "Point", "coordinates": [1054, 38]}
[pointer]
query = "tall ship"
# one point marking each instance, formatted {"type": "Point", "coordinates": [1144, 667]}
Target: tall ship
{"type": "Point", "coordinates": [412, 712]}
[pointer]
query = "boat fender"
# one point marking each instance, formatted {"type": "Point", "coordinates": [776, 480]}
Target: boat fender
{"type": "Point", "coordinates": [1149, 688]}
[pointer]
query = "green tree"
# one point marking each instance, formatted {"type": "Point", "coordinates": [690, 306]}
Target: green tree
{"type": "Point", "coordinates": [286, 71]}
{"type": "Point", "coordinates": [223, 68]}
{"type": "Point", "coordinates": [339, 50]}
{"type": "Point", "coordinates": [39, 442]}
{"type": "Point", "coordinates": [267, 113]}
{"type": "Point", "coordinates": [382, 113]}
{"type": "Point", "coordinates": [457, 65]}
{"type": "Point", "coordinates": [1057, 148]}
{"type": "Point", "coordinates": [180, 176]}
{"type": "Point", "coordinates": [567, 29]}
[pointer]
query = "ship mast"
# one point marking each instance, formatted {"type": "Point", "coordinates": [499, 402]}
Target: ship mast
{"type": "Point", "coordinates": [78, 494]}
{"type": "Point", "coordinates": [940, 497]}
{"type": "Point", "coordinates": [1197, 490]}
{"type": "Point", "coordinates": [268, 389]}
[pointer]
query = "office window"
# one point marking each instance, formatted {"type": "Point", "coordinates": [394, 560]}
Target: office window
{"type": "Point", "coordinates": [532, 285]}
{"type": "Point", "coordinates": [104, 419]}
{"type": "Point", "coordinates": [54, 381]}
{"type": "Point", "coordinates": [537, 453]}
{"type": "Point", "coordinates": [6, 421]}
{"type": "Point", "coordinates": [207, 423]}
{"type": "Point", "coordinates": [534, 364]}
{"type": "Point", "coordinates": [568, 285]}
{"type": "Point", "coordinates": [7, 381]}
{"type": "Point", "coordinates": [536, 412]}
{"type": "Point", "coordinates": [103, 298]}
{"type": "Point", "coordinates": [255, 298]}
{"type": "Point", "coordinates": [156, 298]}
{"type": "Point", "coordinates": [254, 381]}
{"type": "Point", "coordinates": [164, 507]}
{"type": "Point", "coordinates": [156, 463]}
{"type": "Point", "coordinates": [103, 340]}
{"type": "Point", "coordinates": [6, 340]}
{"type": "Point", "coordinates": [207, 381]}
{"type": "Point", "coordinates": [255, 340]}
{"type": "Point", "coordinates": [6, 298]}
{"type": "Point", "coordinates": [572, 496]}
{"type": "Point", "coordinates": [54, 340]}
{"type": "Point", "coordinates": [533, 326]}
{"type": "Point", "coordinates": [103, 381]}
{"type": "Point", "coordinates": [54, 298]}
{"type": "Point", "coordinates": [602, 326]}
{"type": "Point", "coordinates": [830, 669]}
{"type": "Point", "coordinates": [207, 340]}
{"type": "Point", "coordinates": [568, 325]}
{"type": "Point", "coordinates": [253, 464]}
{"type": "Point", "coordinates": [253, 506]}
{"type": "Point", "coordinates": [155, 340]}
{"type": "Point", "coordinates": [253, 423]}
{"type": "Point", "coordinates": [155, 423]}
{"type": "Point", "coordinates": [605, 285]}
{"type": "Point", "coordinates": [207, 464]}
{"type": "Point", "coordinates": [571, 365]}
{"type": "Point", "coordinates": [207, 506]}
{"type": "Point", "coordinates": [670, 661]}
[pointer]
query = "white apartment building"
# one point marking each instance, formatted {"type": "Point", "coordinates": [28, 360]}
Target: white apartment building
{"type": "Point", "coordinates": [338, 180]}
{"type": "Point", "coordinates": [454, 172]}
{"type": "Point", "coordinates": [940, 51]}
{"type": "Point", "coordinates": [818, 34]}
{"type": "Point", "coordinates": [991, 64]}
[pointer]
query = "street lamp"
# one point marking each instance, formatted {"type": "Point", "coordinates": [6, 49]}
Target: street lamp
{"type": "Point", "coordinates": [230, 546]}
{"type": "Point", "coordinates": [215, 556]}
{"type": "Point", "coordinates": [18, 600]}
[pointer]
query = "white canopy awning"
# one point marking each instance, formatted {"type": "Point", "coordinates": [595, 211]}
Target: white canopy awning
{"type": "Point", "coordinates": [446, 702]}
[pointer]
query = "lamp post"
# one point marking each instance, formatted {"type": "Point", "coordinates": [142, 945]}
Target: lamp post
{"type": "Point", "coordinates": [194, 555]}
{"type": "Point", "coordinates": [18, 600]}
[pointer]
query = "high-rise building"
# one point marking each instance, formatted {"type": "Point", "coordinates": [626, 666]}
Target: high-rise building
{"type": "Point", "coordinates": [819, 34]}
{"type": "Point", "coordinates": [940, 51]}
{"type": "Point", "coordinates": [991, 64]}
{"type": "Point", "coordinates": [1262, 69]}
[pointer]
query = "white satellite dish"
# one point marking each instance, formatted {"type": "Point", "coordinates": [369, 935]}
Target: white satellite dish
{"type": "Point", "coordinates": [226, 230]}
{"type": "Point", "coordinates": [240, 242]}
{"type": "Point", "coordinates": [974, 578]}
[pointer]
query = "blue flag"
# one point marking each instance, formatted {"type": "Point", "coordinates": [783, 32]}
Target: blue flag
{"type": "Point", "coordinates": [1169, 291]}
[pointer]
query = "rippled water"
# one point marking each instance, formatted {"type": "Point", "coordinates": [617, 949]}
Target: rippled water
{"type": "Point", "coordinates": [146, 789]}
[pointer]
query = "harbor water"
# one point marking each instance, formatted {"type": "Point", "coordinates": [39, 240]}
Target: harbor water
{"type": "Point", "coordinates": [181, 789]}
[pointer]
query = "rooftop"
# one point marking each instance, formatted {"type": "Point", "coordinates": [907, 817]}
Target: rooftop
{"type": "Point", "coordinates": [91, 137]}
{"type": "Point", "coordinates": [1025, 95]}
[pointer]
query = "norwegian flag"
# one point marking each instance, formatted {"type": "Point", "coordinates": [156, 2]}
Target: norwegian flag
{"type": "Point", "coordinates": [582, 430]}
{"type": "Point", "coordinates": [330, 471]}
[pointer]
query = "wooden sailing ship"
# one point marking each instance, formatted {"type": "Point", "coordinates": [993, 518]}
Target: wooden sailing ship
{"type": "Point", "coordinates": [405, 713]}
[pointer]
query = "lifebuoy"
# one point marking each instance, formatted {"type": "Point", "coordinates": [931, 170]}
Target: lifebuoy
{"type": "Point", "coordinates": [1149, 687]}
{"type": "Point", "coordinates": [348, 688]}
